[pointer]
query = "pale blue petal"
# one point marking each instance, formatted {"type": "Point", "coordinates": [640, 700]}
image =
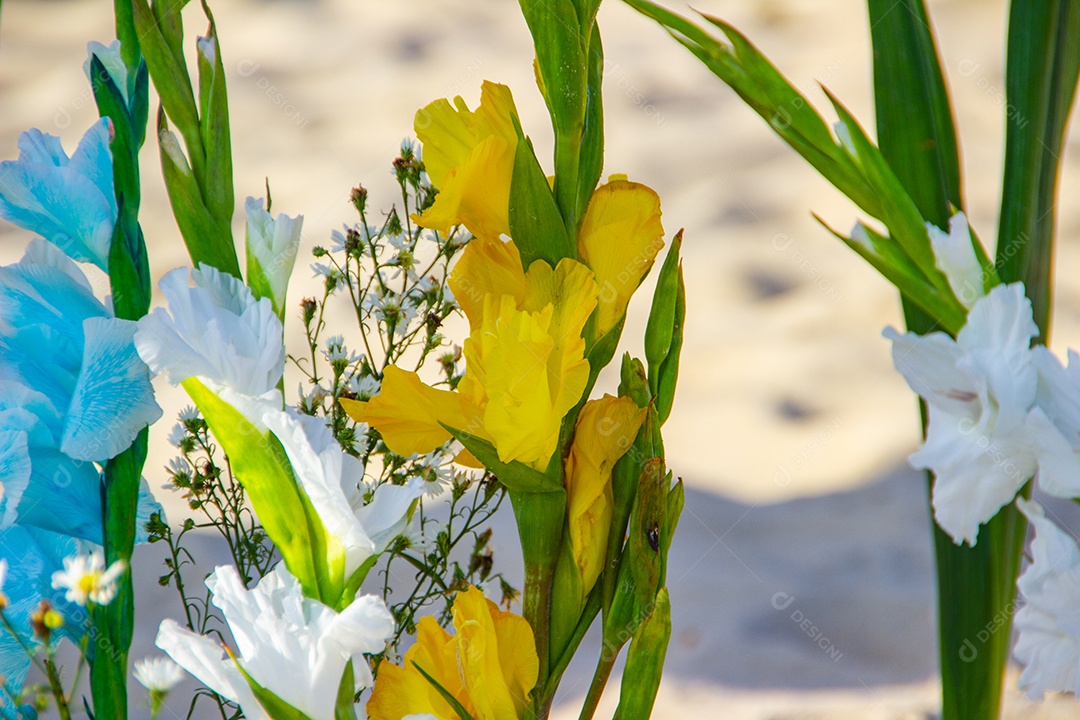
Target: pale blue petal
{"type": "Point", "coordinates": [32, 294]}
{"type": "Point", "coordinates": [32, 557]}
{"type": "Point", "coordinates": [68, 203]}
{"type": "Point", "coordinates": [147, 507]}
{"type": "Point", "coordinates": [22, 408]}
{"type": "Point", "coordinates": [25, 359]}
{"type": "Point", "coordinates": [63, 496]}
{"type": "Point", "coordinates": [38, 147]}
{"type": "Point", "coordinates": [93, 160]}
{"type": "Point", "coordinates": [113, 399]}
{"type": "Point", "coordinates": [42, 252]}
{"type": "Point", "coordinates": [14, 472]}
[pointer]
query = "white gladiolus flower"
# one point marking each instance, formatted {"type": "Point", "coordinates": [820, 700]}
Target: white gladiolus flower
{"type": "Point", "coordinates": [217, 331]}
{"type": "Point", "coordinates": [272, 244]}
{"type": "Point", "coordinates": [86, 579]}
{"type": "Point", "coordinates": [1048, 625]}
{"type": "Point", "coordinates": [983, 440]}
{"type": "Point", "coordinates": [158, 674]}
{"type": "Point", "coordinates": [955, 256]}
{"type": "Point", "coordinates": [329, 478]}
{"type": "Point", "coordinates": [291, 645]}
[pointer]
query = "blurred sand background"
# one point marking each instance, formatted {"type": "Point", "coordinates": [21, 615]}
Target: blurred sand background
{"type": "Point", "coordinates": [801, 574]}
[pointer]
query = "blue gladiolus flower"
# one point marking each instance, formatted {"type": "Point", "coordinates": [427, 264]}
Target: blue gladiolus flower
{"type": "Point", "coordinates": [68, 201]}
{"type": "Point", "coordinates": [73, 392]}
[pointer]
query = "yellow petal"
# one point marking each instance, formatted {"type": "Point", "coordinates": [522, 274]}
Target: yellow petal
{"type": "Point", "coordinates": [620, 237]}
{"type": "Point", "coordinates": [486, 267]}
{"type": "Point", "coordinates": [469, 157]}
{"type": "Point", "coordinates": [515, 349]}
{"type": "Point", "coordinates": [570, 289]}
{"type": "Point", "coordinates": [402, 691]}
{"type": "Point", "coordinates": [408, 413]}
{"type": "Point", "coordinates": [497, 656]}
{"type": "Point", "coordinates": [517, 655]}
{"type": "Point", "coordinates": [526, 362]}
{"type": "Point", "coordinates": [605, 430]}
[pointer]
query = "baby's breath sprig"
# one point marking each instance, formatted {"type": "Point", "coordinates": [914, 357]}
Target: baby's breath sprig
{"type": "Point", "coordinates": [393, 277]}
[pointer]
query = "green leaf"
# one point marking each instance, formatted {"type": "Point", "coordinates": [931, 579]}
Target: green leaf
{"type": "Point", "coordinates": [660, 328]}
{"type": "Point", "coordinates": [1041, 76]}
{"type": "Point", "coordinates": [170, 77]}
{"type": "Point", "coordinates": [446, 695]}
{"type": "Point", "coordinates": [274, 706]}
{"type": "Point", "coordinates": [123, 145]}
{"type": "Point", "coordinates": [943, 311]}
{"type": "Point", "coordinates": [645, 662]}
{"type": "Point", "coordinates": [647, 522]}
{"type": "Point", "coordinates": [592, 139]}
{"type": "Point", "coordinates": [761, 86]}
{"type": "Point", "coordinates": [669, 371]}
{"type": "Point", "coordinates": [514, 475]}
{"type": "Point", "coordinates": [601, 352]}
{"type": "Point", "coordinates": [129, 273]}
{"type": "Point", "coordinates": [561, 56]}
{"type": "Point", "coordinates": [915, 126]}
{"type": "Point", "coordinates": [214, 112]}
{"type": "Point", "coordinates": [208, 240]}
{"type": "Point", "coordinates": [167, 14]}
{"type": "Point", "coordinates": [259, 461]}
{"type": "Point", "coordinates": [114, 623]}
{"type": "Point", "coordinates": [140, 104]}
{"type": "Point", "coordinates": [535, 222]}
{"type": "Point", "coordinates": [899, 213]}
{"type": "Point", "coordinates": [345, 708]}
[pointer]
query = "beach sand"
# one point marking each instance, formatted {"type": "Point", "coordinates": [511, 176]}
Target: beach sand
{"type": "Point", "coordinates": [801, 574]}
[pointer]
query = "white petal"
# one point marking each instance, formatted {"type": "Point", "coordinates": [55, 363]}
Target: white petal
{"type": "Point", "coordinates": [975, 475]}
{"type": "Point", "coordinates": [1000, 324]}
{"type": "Point", "coordinates": [272, 244]}
{"type": "Point", "coordinates": [217, 331]}
{"type": "Point", "coordinates": [929, 364]}
{"type": "Point", "coordinates": [955, 256]}
{"type": "Point", "coordinates": [206, 660]}
{"type": "Point", "coordinates": [1059, 462]}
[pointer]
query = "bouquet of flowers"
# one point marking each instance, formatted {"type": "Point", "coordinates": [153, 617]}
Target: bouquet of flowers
{"type": "Point", "coordinates": [400, 443]}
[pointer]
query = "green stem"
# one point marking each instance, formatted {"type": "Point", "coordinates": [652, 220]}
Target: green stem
{"type": "Point", "coordinates": [114, 622]}
{"type": "Point", "coordinates": [57, 688]}
{"type": "Point", "coordinates": [592, 608]}
{"type": "Point", "coordinates": [567, 170]}
{"type": "Point", "coordinates": [596, 687]}
{"type": "Point", "coordinates": [536, 609]}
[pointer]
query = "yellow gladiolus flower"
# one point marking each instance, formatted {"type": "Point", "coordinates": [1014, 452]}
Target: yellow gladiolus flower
{"type": "Point", "coordinates": [604, 432]}
{"type": "Point", "coordinates": [490, 666]}
{"type": "Point", "coordinates": [469, 156]}
{"type": "Point", "coordinates": [619, 238]}
{"type": "Point", "coordinates": [525, 360]}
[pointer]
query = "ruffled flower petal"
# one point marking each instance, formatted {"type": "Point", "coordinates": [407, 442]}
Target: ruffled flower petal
{"type": "Point", "coordinates": [214, 330]}
{"type": "Point", "coordinates": [1048, 624]}
{"type": "Point", "coordinates": [113, 399]}
{"type": "Point", "coordinates": [469, 156]}
{"type": "Point", "coordinates": [69, 202]}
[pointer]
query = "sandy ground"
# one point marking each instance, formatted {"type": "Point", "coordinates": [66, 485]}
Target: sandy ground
{"type": "Point", "coordinates": [790, 428]}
